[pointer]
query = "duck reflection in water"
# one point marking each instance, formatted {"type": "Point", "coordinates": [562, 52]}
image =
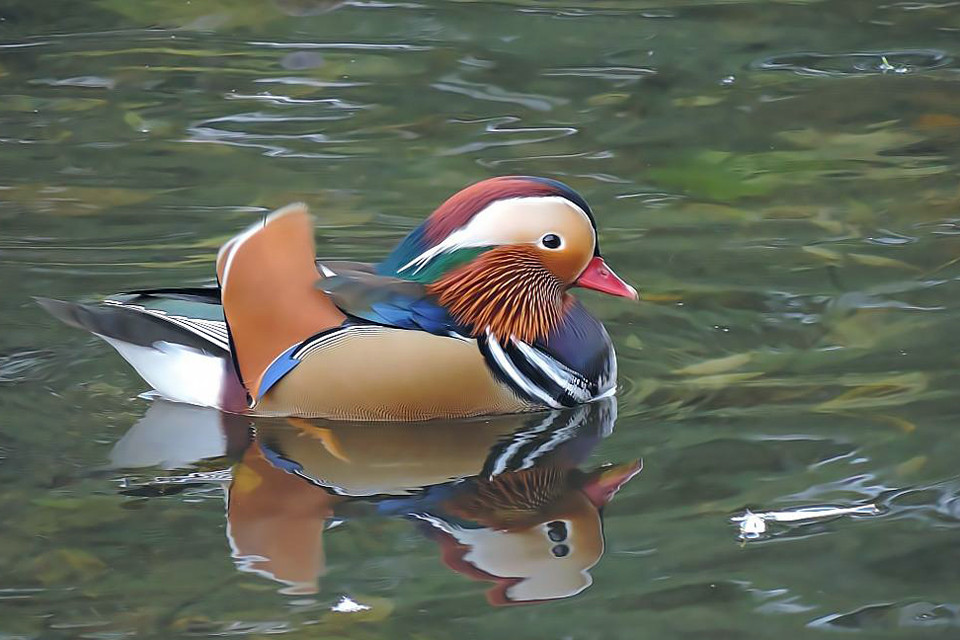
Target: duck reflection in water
{"type": "Point", "coordinates": [502, 496]}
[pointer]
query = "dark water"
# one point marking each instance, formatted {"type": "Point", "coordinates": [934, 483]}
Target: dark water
{"type": "Point", "coordinates": [780, 179]}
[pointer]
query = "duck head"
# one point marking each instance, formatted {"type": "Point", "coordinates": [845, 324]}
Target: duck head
{"type": "Point", "coordinates": [501, 254]}
{"type": "Point", "coordinates": [534, 533]}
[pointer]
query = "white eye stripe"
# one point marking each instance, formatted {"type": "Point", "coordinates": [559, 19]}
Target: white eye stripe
{"type": "Point", "coordinates": [486, 228]}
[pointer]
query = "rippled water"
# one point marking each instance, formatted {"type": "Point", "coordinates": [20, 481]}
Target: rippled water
{"type": "Point", "coordinates": [780, 179]}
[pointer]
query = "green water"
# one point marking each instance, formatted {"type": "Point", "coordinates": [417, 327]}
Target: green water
{"type": "Point", "coordinates": [779, 179]}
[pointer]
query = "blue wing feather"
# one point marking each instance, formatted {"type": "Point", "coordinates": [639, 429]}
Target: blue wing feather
{"type": "Point", "coordinates": [389, 301]}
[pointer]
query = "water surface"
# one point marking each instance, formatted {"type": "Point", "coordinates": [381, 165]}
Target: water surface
{"type": "Point", "coordinates": [779, 179]}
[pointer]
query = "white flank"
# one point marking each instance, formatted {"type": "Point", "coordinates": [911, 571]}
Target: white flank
{"type": "Point", "coordinates": [177, 372]}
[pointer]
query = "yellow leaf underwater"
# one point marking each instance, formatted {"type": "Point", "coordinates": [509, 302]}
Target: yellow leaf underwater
{"type": "Point", "coordinates": [901, 423]}
{"type": "Point", "coordinates": [880, 261]}
{"type": "Point", "coordinates": [722, 379]}
{"type": "Point", "coordinates": [895, 390]}
{"type": "Point", "coordinates": [936, 121]}
{"type": "Point", "coordinates": [66, 566]}
{"type": "Point", "coordinates": [72, 200]}
{"type": "Point", "coordinates": [715, 366]}
{"type": "Point", "coordinates": [828, 255]}
{"type": "Point", "coordinates": [607, 99]}
{"type": "Point", "coordinates": [911, 466]}
{"type": "Point", "coordinates": [697, 101]}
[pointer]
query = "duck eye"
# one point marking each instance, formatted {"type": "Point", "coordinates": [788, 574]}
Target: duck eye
{"type": "Point", "coordinates": [551, 241]}
{"type": "Point", "coordinates": [557, 531]}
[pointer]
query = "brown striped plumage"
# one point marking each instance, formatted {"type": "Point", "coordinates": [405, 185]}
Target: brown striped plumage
{"type": "Point", "coordinates": [507, 290]}
{"type": "Point", "coordinates": [513, 499]}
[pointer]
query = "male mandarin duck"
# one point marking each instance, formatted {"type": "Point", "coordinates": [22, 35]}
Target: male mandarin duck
{"type": "Point", "coordinates": [469, 315]}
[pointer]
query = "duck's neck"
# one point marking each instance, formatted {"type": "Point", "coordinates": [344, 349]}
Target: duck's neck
{"type": "Point", "coordinates": [507, 291]}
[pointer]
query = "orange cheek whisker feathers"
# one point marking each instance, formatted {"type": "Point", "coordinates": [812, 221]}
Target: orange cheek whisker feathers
{"type": "Point", "coordinates": [508, 290]}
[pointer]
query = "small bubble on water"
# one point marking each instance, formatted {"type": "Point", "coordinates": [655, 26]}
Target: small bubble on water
{"type": "Point", "coordinates": [347, 605]}
{"type": "Point", "coordinates": [752, 526]}
{"type": "Point", "coordinates": [885, 66]}
{"type": "Point", "coordinates": [728, 80]}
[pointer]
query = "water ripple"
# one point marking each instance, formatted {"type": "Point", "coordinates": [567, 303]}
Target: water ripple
{"type": "Point", "coordinates": [892, 615]}
{"type": "Point", "coordinates": [281, 100]}
{"type": "Point", "coordinates": [507, 136]}
{"type": "Point", "coordinates": [89, 82]}
{"type": "Point", "coordinates": [493, 93]}
{"type": "Point", "coordinates": [920, 6]}
{"type": "Point", "coordinates": [310, 82]}
{"type": "Point", "coordinates": [936, 504]}
{"type": "Point", "coordinates": [622, 76]}
{"type": "Point", "coordinates": [278, 133]}
{"type": "Point", "coordinates": [349, 46]}
{"type": "Point", "coordinates": [585, 155]}
{"type": "Point", "coordinates": [23, 45]}
{"type": "Point", "coordinates": [21, 366]}
{"type": "Point", "coordinates": [857, 63]}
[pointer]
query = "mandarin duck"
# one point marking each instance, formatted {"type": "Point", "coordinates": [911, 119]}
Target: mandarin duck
{"type": "Point", "coordinates": [502, 497]}
{"type": "Point", "coordinates": [469, 315]}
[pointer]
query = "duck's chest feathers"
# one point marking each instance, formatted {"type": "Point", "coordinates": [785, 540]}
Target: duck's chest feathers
{"type": "Point", "coordinates": [576, 363]}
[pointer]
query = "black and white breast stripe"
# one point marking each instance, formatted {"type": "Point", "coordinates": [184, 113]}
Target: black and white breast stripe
{"type": "Point", "coordinates": [541, 378]}
{"type": "Point", "coordinates": [214, 331]}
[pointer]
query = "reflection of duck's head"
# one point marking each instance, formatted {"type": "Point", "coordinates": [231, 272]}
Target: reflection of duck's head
{"type": "Point", "coordinates": [536, 533]}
